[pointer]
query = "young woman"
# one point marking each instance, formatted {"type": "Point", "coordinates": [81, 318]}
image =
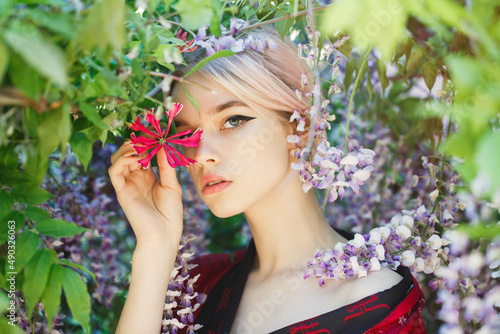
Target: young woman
{"type": "Point", "coordinates": [244, 165]}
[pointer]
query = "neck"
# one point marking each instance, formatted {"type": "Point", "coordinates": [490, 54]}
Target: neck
{"type": "Point", "coordinates": [288, 227]}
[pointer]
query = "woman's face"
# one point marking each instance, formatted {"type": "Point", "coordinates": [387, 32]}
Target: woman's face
{"type": "Point", "coordinates": [243, 155]}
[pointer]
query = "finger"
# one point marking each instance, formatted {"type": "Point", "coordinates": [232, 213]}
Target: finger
{"type": "Point", "coordinates": [126, 147]}
{"type": "Point", "coordinates": [120, 169]}
{"type": "Point", "coordinates": [168, 176]}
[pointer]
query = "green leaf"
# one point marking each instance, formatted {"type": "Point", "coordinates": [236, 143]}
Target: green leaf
{"type": "Point", "coordinates": [6, 203]}
{"type": "Point", "coordinates": [36, 214]}
{"type": "Point", "coordinates": [219, 54]}
{"type": "Point", "coordinates": [429, 72]}
{"type": "Point", "coordinates": [57, 23]}
{"type": "Point", "coordinates": [414, 61]}
{"type": "Point", "coordinates": [194, 13]}
{"type": "Point", "coordinates": [8, 156]}
{"type": "Point", "coordinates": [480, 231]}
{"type": "Point", "coordinates": [51, 297]}
{"type": "Point", "coordinates": [24, 78]}
{"type": "Point", "coordinates": [376, 22]}
{"type": "Point", "coordinates": [5, 326]}
{"type": "Point", "coordinates": [36, 274]}
{"type": "Point", "coordinates": [30, 195]}
{"type": "Point", "coordinates": [27, 245]}
{"type": "Point", "coordinates": [369, 85]}
{"type": "Point", "coordinates": [348, 74]}
{"type": "Point", "coordinates": [284, 26]}
{"type": "Point", "coordinates": [4, 59]}
{"type": "Point", "coordinates": [53, 130]}
{"type": "Point", "coordinates": [5, 10]}
{"type": "Point", "coordinates": [9, 176]}
{"type": "Point", "coordinates": [59, 228]}
{"type": "Point", "coordinates": [191, 98]}
{"type": "Point", "coordinates": [101, 29]}
{"type": "Point", "coordinates": [40, 53]}
{"type": "Point", "coordinates": [13, 216]}
{"type": "Point", "coordinates": [487, 158]}
{"type": "Point", "coordinates": [382, 75]}
{"type": "Point", "coordinates": [404, 49]}
{"type": "Point", "coordinates": [78, 266]}
{"type": "Point", "coordinates": [37, 163]}
{"type": "Point", "coordinates": [82, 147]}
{"type": "Point", "coordinates": [215, 26]}
{"type": "Point", "coordinates": [346, 48]}
{"type": "Point", "coordinates": [159, 54]}
{"type": "Point", "coordinates": [92, 114]}
{"type": "Point", "coordinates": [77, 297]}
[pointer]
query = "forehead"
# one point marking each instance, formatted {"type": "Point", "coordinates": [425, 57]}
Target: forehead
{"type": "Point", "coordinates": [201, 97]}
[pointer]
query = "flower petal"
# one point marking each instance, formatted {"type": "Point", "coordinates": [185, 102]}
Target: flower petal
{"type": "Point", "coordinates": [145, 161]}
{"type": "Point", "coordinates": [191, 141]}
{"type": "Point", "coordinates": [150, 117]}
{"type": "Point", "coordinates": [172, 113]}
{"type": "Point", "coordinates": [142, 140]}
{"type": "Point", "coordinates": [181, 160]}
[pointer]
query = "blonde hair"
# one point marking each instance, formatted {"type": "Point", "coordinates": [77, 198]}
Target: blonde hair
{"type": "Point", "coordinates": [266, 81]}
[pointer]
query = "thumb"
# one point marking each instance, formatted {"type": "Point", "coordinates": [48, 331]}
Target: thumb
{"type": "Point", "coordinates": [168, 177]}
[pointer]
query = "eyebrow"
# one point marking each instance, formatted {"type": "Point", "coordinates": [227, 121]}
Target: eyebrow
{"type": "Point", "coordinates": [215, 110]}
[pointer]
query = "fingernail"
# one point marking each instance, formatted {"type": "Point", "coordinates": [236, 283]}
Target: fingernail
{"type": "Point", "coordinates": [130, 154]}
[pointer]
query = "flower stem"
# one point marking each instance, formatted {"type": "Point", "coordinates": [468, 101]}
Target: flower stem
{"type": "Point", "coordinates": [180, 79]}
{"type": "Point", "coordinates": [356, 85]}
{"type": "Point", "coordinates": [285, 17]}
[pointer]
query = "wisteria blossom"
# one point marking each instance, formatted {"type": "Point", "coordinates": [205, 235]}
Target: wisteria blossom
{"type": "Point", "coordinates": [391, 245]}
{"type": "Point", "coordinates": [161, 139]}
{"type": "Point", "coordinates": [231, 40]}
{"type": "Point", "coordinates": [182, 299]}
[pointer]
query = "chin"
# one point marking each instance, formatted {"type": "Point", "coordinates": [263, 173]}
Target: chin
{"type": "Point", "coordinates": [224, 210]}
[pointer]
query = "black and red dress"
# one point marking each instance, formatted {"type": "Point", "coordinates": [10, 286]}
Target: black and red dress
{"type": "Point", "coordinates": [223, 278]}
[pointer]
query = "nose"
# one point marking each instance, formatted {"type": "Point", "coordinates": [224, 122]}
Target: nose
{"type": "Point", "coordinates": [207, 152]}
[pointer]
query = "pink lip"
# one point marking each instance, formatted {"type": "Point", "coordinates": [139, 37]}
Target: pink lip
{"type": "Point", "coordinates": [208, 190]}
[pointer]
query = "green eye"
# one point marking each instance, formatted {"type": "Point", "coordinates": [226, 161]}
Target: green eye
{"type": "Point", "coordinates": [235, 121]}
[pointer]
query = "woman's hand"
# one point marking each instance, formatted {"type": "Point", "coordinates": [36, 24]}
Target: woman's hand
{"type": "Point", "coordinates": [153, 209]}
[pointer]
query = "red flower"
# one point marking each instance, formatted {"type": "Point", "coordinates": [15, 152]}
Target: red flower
{"type": "Point", "coordinates": [160, 139]}
{"type": "Point", "coordinates": [187, 47]}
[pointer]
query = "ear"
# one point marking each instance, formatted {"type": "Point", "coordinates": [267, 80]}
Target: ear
{"type": "Point", "coordinates": [302, 130]}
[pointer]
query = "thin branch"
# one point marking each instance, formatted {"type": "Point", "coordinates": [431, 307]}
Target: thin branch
{"type": "Point", "coordinates": [180, 79]}
{"type": "Point", "coordinates": [285, 17]}
{"type": "Point", "coordinates": [182, 27]}
{"type": "Point", "coordinates": [317, 88]}
{"type": "Point", "coordinates": [356, 84]}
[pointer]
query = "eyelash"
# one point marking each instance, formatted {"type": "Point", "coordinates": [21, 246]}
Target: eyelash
{"type": "Point", "coordinates": [239, 118]}
{"type": "Point", "coordinates": [236, 117]}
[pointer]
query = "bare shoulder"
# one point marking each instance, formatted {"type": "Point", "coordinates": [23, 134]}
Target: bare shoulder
{"type": "Point", "coordinates": [374, 282]}
{"type": "Point", "coordinates": [359, 288]}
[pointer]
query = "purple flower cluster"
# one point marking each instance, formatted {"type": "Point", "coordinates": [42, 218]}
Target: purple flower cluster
{"type": "Point", "coordinates": [331, 169]}
{"type": "Point", "coordinates": [408, 240]}
{"type": "Point", "coordinates": [72, 204]}
{"type": "Point", "coordinates": [182, 299]}
{"type": "Point", "coordinates": [232, 39]}
{"type": "Point", "coordinates": [468, 288]}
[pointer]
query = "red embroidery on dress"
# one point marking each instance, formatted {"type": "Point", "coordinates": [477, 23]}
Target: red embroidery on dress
{"type": "Point", "coordinates": [223, 300]}
{"type": "Point", "coordinates": [218, 329]}
{"type": "Point", "coordinates": [362, 307]}
{"type": "Point", "coordinates": [304, 328]}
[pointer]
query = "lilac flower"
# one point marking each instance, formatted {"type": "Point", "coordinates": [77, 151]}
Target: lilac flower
{"type": "Point", "coordinates": [231, 40]}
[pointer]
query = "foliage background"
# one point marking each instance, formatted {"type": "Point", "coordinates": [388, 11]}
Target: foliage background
{"type": "Point", "coordinates": [72, 72]}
